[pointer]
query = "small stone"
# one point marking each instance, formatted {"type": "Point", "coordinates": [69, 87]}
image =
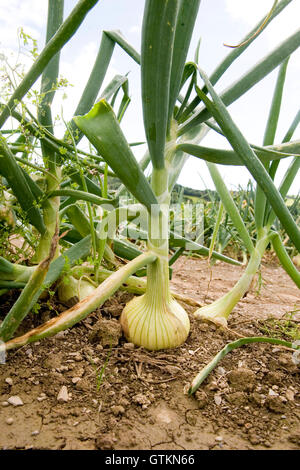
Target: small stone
{"type": "Point", "coordinates": [128, 346]}
{"type": "Point", "coordinates": [78, 358]}
{"type": "Point", "coordinates": [4, 403]}
{"type": "Point", "coordinates": [290, 395]}
{"type": "Point", "coordinates": [254, 438]}
{"type": "Point", "coordinates": [267, 444]}
{"type": "Point", "coordinates": [60, 334]}
{"type": "Point", "coordinates": [221, 370]}
{"type": "Point", "coordinates": [118, 410]}
{"type": "Point", "coordinates": [63, 396]}
{"type": "Point", "coordinates": [9, 421]}
{"type": "Point", "coordinates": [217, 399]}
{"type": "Point", "coordinates": [9, 381]}
{"type": "Point", "coordinates": [272, 393]}
{"type": "Point", "coordinates": [213, 386]}
{"type": "Point", "coordinates": [75, 380]}
{"type": "Point", "coordinates": [203, 327]}
{"type": "Point", "coordinates": [62, 369]}
{"type": "Point", "coordinates": [219, 438]}
{"type": "Point", "coordinates": [41, 398]}
{"type": "Point", "coordinates": [15, 401]}
{"type": "Point", "coordinates": [35, 433]}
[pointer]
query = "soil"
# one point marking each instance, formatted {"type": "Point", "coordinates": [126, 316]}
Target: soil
{"type": "Point", "coordinates": [87, 388]}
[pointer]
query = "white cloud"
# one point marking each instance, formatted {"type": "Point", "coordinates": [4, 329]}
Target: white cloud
{"type": "Point", "coordinates": [15, 14]}
{"type": "Point", "coordinates": [136, 29]}
{"type": "Point", "coordinates": [251, 12]}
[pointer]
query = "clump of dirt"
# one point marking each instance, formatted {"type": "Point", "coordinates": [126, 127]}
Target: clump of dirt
{"type": "Point", "coordinates": [87, 388]}
{"type": "Point", "coordinates": [106, 332]}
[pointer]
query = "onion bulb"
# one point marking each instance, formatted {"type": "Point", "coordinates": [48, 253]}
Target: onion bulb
{"type": "Point", "coordinates": [155, 324]}
{"type": "Point", "coordinates": [70, 290]}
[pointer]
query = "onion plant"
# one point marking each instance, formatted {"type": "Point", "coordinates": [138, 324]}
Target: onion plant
{"type": "Point", "coordinates": [264, 216]}
{"type": "Point", "coordinates": [177, 115]}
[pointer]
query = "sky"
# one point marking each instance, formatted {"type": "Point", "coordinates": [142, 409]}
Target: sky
{"type": "Point", "coordinates": [218, 22]}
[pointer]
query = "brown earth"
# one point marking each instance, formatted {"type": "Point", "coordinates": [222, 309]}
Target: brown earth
{"type": "Point", "coordinates": [122, 397]}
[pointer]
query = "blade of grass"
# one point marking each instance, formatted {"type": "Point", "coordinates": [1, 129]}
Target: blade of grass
{"type": "Point", "coordinates": [230, 157]}
{"type": "Point", "coordinates": [269, 137]}
{"type": "Point", "coordinates": [103, 131]}
{"type": "Point", "coordinates": [82, 309]}
{"type": "Point", "coordinates": [227, 349]}
{"type": "Point", "coordinates": [159, 25]}
{"type": "Point", "coordinates": [83, 196]}
{"type": "Point", "coordinates": [23, 304]}
{"type": "Point", "coordinates": [185, 23]}
{"type": "Point", "coordinates": [284, 258]}
{"type": "Point", "coordinates": [50, 75]}
{"type": "Point", "coordinates": [19, 185]}
{"type": "Point", "coordinates": [119, 39]}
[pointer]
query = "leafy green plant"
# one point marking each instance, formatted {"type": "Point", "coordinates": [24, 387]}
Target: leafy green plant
{"type": "Point", "coordinates": [77, 201]}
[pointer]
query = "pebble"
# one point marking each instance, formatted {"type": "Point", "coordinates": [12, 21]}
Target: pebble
{"type": "Point", "coordinates": [78, 358]}
{"type": "Point", "coordinates": [4, 403]}
{"type": "Point", "coordinates": [63, 396]}
{"type": "Point", "coordinates": [75, 380]}
{"type": "Point", "coordinates": [272, 393]}
{"type": "Point", "coordinates": [9, 381]}
{"type": "Point", "coordinates": [128, 346]}
{"type": "Point", "coordinates": [41, 399]}
{"type": "Point", "coordinates": [15, 401]}
{"type": "Point", "coordinates": [35, 433]}
{"type": "Point", "coordinates": [118, 410]}
{"type": "Point", "coordinates": [218, 399]}
{"type": "Point", "coordinates": [213, 386]}
{"type": "Point", "coordinates": [62, 368]}
{"type": "Point", "coordinates": [219, 439]}
{"type": "Point", "coordinates": [290, 395]}
{"type": "Point", "coordinates": [9, 421]}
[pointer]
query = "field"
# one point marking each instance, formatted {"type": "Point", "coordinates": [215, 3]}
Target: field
{"type": "Point", "coordinates": [124, 398]}
{"type": "Point", "coordinates": [137, 313]}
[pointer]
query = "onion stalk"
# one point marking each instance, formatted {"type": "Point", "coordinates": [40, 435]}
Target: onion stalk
{"type": "Point", "coordinates": [219, 311]}
{"type": "Point", "coordinates": [156, 320]}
